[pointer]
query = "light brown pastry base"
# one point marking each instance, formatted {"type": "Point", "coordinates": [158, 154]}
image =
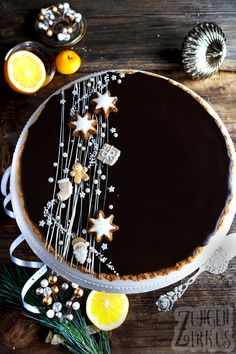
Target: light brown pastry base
{"type": "Point", "coordinates": [141, 276]}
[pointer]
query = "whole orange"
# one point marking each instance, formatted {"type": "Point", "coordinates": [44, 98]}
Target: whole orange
{"type": "Point", "coordinates": [67, 62]}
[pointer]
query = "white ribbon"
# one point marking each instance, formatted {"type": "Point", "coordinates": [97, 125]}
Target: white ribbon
{"type": "Point", "coordinates": [20, 262]}
{"type": "Point", "coordinates": [30, 264]}
{"type": "Point", "coordinates": [4, 181]}
{"type": "Point", "coordinates": [4, 187]}
{"type": "Point", "coordinates": [36, 276]}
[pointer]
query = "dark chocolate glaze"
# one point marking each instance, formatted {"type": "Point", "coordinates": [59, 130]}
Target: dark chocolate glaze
{"type": "Point", "coordinates": [172, 178]}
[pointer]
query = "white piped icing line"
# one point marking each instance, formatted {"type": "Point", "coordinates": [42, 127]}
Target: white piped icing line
{"type": "Point", "coordinates": [76, 200]}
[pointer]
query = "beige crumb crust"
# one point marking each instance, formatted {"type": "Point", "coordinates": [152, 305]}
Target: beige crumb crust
{"type": "Point", "coordinates": [141, 276]}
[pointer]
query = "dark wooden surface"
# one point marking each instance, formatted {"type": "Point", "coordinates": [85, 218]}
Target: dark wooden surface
{"type": "Point", "coordinates": [145, 34]}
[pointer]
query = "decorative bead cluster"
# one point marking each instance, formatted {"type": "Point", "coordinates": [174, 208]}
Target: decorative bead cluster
{"type": "Point", "coordinates": [50, 289]}
{"type": "Point", "coordinates": [59, 21]}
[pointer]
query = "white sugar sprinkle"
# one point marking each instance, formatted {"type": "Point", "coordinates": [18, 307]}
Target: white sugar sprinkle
{"type": "Point", "coordinates": [99, 172]}
{"type": "Point", "coordinates": [87, 190]}
{"type": "Point", "coordinates": [103, 177]}
{"type": "Point", "coordinates": [50, 180]}
{"type": "Point", "coordinates": [110, 207]}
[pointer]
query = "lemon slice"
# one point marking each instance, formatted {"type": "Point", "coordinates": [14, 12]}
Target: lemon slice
{"type": "Point", "coordinates": [25, 72]}
{"type": "Point", "coordinates": [107, 311]}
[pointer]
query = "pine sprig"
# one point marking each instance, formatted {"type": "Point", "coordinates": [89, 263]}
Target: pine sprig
{"type": "Point", "coordinates": [77, 338]}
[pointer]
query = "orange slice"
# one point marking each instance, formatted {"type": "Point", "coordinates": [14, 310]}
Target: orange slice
{"type": "Point", "coordinates": [24, 72]}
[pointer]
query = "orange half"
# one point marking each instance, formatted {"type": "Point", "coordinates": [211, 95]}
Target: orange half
{"type": "Point", "coordinates": [24, 72]}
{"type": "Point", "coordinates": [107, 311]}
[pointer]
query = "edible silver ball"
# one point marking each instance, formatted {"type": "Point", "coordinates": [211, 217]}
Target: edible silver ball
{"type": "Point", "coordinates": [50, 313]}
{"type": "Point", "coordinates": [58, 315]}
{"type": "Point", "coordinates": [44, 283]}
{"type": "Point", "coordinates": [70, 317]}
{"type": "Point", "coordinates": [68, 303]}
{"type": "Point", "coordinates": [65, 286]}
{"type": "Point", "coordinates": [57, 306]}
{"type": "Point", "coordinates": [39, 291]}
{"type": "Point", "coordinates": [74, 285]}
{"type": "Point", "coordinates": [76, 305]}
{"type": "Point", "coordinates": [47, 291]}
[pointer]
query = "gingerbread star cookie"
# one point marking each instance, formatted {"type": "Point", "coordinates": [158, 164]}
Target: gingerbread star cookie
{"type": "Point", "coordinates": [102, 226]}
{"type": "Point", "coordinates": [104, 104]}
{"type": "Point", "coordinates": [83, 126]}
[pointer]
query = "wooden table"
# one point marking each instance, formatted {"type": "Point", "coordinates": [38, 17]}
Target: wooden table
{"type": "Point", "coordinates": [144, 34]}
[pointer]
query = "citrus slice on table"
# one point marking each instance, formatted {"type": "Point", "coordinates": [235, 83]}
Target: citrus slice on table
{"type": "Point", "coordinates": [107, 311]}
{"type": "Point", "coordinates": [24, 72]}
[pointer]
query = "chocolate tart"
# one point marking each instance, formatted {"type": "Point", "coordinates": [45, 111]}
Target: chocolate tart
{"type": "Point", "coordinates": [154, 167]}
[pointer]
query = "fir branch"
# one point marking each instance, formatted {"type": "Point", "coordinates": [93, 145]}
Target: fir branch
{"type": "Point", "coordinates": [77, 338]}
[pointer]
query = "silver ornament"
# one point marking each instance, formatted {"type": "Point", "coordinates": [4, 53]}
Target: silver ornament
{"type": "Point", "coordinates": [58, 315]}
{"type": "Point", "coordinates": [68, 303]}
{"type": "Point", "coordinates": [76, 305]}
{"type": "Point", "coordinates": [65, 286]}
{"type": "Point", "coordinates": [204, 50]}
{"type": "Point", "coordinates": [44, 283]}
{"type": "Point", "coordinates": [50, 313]}
{"type": "Point", "coordinates": [70, 317]}
{"type": "Point", "coordinates": [57, 306]}
{"type": "Point", "coordinates": [39, 291]}
{"type": "Point", "coordinates": [74, 285]}
{"type": "Point", "coordinates": [47, 291]}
